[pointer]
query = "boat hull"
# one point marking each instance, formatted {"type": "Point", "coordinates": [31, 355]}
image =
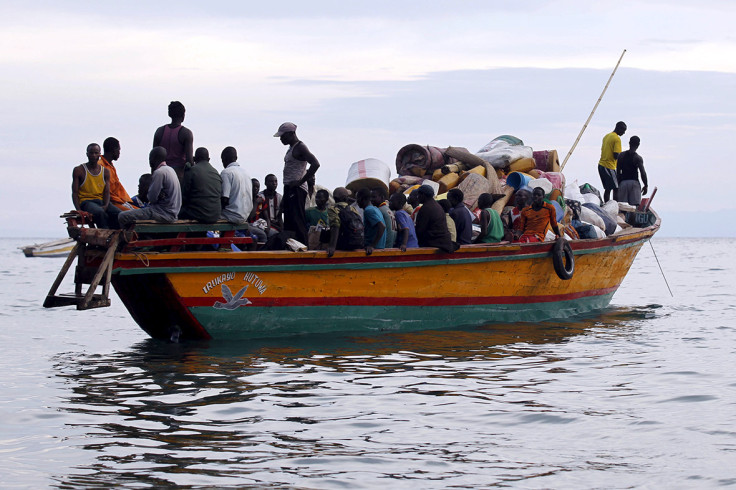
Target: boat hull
{"type": "Point", "coordinates": [241, 295]}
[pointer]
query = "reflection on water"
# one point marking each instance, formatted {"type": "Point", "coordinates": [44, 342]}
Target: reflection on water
{"type": "Point", "coordinates": [429, 406]}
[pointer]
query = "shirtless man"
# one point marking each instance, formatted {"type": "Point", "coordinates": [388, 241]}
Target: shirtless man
{"type": "Point", "coordinates": [91, 190]}
{"type": "Point", "coordinates": [177, 140]}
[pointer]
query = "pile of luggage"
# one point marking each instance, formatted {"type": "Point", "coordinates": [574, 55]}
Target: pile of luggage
{"type": "Point", "coordinates": [502, 168]}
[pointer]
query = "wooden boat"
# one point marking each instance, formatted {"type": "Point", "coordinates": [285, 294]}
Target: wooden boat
{"type": "Point", "coordinates": [174, 291]}
{"type": "Point", "coordinates": [57, 248]}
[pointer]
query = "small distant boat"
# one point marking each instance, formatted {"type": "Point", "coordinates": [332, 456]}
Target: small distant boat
{"type": "Point", "coordinates": [57, 248]}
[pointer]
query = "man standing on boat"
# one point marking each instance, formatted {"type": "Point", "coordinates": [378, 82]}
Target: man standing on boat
{"type": "Point", "coordinates": [630, 163]}
{"type": "Point", "coordinates": [91, 190]}
{"type": "Point", "coordinates": [164, 193]}
{"type": "Point", "coordinates": [118, 196]}
{"type": "Point", "coordinates": [177, 140]}
{"type": "Point", "coordinates": [296, 175]}
{"type": "Point", "coordinates": [610, 150]}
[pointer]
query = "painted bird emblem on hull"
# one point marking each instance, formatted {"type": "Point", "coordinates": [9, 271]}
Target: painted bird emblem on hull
{"type": "Point", "coordinates": [232, 302]}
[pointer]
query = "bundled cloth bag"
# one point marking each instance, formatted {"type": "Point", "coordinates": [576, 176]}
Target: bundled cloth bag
{"type": "Point", "coordinates": [610, 223]}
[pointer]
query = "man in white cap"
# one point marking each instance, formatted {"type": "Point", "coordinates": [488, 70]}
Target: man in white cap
{"type": "Point", "coordinates": [295, 179]}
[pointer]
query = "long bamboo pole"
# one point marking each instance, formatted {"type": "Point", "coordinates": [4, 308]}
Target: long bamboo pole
{"type": "Point", "coordinates": [592, 112]}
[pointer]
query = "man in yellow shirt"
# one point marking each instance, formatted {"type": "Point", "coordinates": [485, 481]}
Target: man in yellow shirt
{"type": "Point", "coordinates": [610, 150]}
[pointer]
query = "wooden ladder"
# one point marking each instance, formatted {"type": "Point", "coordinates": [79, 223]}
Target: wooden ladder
{"type": "Point", "coordinates": [85, 274]}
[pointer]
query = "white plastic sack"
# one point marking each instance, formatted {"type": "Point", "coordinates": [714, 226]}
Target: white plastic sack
{"type": "Point", "coordinates": [543, 183]}
{"type": "Point", "coordinates": [572, 192]}
{"type": "Point", "coordinates": [598, 232]}
{"type": "Point", "coordinates": [618, 229]}
{"type": "Point", "coordinates": [590, 199]}
{"type": "Point", "coordinates": [590, 217]}
{"type": "Point", "coordinates": [611, 207]}
{"type": "Point", "coordinates": [502, 156]}
{"type": "Point", "coordinates": [370, 172]}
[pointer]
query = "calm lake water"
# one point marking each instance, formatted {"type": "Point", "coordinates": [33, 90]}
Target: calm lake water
{"type": "Point", "coordinates": [639, 395]}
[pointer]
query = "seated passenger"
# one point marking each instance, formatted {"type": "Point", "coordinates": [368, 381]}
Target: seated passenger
{"type": "Point", "coordinates": [317, 216]}
{"type": "Point", "coordinates": [375, 227]}
{"type": "Point", "coordinates": [538, 218]}
{"type": "Point", "coordinates": [164, 194]}
{"type": "Point", "coordinates": [271, 207]}
{"type": "Point", "coordinates": [118, 195]}
{"type": "Point", "coordinates": [447, 207]}
{"type": "Point", "coordinates": [380, 200]}
{"type": "Point", "coordinates": [201, 190]}
{"type": "Point", "coordinates": [406, 235]}
{"type": "Point", "coordinates": [237, 187]}
{"type": "Point", "coordinates": [91, 190]}
{"type": "Point", "coordinates": [431, 224]}
{"type": "Point", "coordinates": [413, 201]}
{"type": "Point", "coordinates": [462, 216]}
{"type": "Point", "coordinates": [256, 224]}
{"type": "Point", "coordinates": [312, 188]}
{"type": "Point", "coordinates": [346, 225]}
{"type": "Point", "coordinates": [491, 226]}
{"type": "Point", "coordinates": [521, 200]}
{"type": "Point", "coordinates": [140, 200]}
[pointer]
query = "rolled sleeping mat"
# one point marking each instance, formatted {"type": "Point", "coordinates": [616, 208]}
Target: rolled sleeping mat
{"type": "Point", "coordinates": [463, 155]}
{"type": "Point", "coordinates": [501, 202]}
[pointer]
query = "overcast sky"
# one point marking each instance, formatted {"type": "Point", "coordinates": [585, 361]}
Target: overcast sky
{"type": "Point", "coordinates": [363, 79]}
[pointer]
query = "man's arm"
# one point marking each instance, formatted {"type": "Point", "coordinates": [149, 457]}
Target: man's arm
{"type": "Point", "coordinates": [644, 179]}
{"type": "Point", "coordinates": [154, 190]}
{"type": "Point", "coordinates": [301, 152]}
{"type": "Point", "coordinates": [381, 228]}
{"type": "Point", "coordinates": [187, 139]}
{"type": "Point", "coordinates": [553, 221]}
{"type": "Point", "coordinates": [76, 178]}
{"type": "Point", "coordinates": [106, 192]}
{"type": "Point", "coordinates": [404, 238]}
{"type": "Point", "coordinates": [157, 137]}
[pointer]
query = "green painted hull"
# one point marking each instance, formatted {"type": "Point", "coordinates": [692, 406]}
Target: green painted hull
{"type": "Point", "coordinates": [263, 322]}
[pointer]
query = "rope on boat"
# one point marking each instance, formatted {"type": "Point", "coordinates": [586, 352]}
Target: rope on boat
{"type": "Point", "coordinates": [660, 269]}
{"type": "Point", "coordinates": [562, 167]}
{"type": "Point", "coordinates": [143, 258]}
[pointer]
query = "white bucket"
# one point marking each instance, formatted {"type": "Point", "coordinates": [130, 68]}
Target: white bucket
{"type": "Point", "coordinates": [369, 173]}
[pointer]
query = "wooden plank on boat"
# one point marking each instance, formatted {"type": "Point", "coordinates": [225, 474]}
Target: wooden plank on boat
{"type": "Point", "coordinates": [184, 226]}
{"type": "Point", "coordinates": [163, 242]}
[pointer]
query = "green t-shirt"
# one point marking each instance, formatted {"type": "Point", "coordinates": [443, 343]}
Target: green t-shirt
{"type": "Point", "coordinates": [316, 217]}
{"type": "Point", "coordinates": [495, 228]}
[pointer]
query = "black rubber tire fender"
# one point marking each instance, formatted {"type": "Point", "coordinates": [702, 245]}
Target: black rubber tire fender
{"type": "Point", "coordinates": [563, 259]}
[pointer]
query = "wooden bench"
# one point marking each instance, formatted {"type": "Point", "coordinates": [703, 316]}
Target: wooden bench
{"type": "Point", "coordinates": [182, 231]}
